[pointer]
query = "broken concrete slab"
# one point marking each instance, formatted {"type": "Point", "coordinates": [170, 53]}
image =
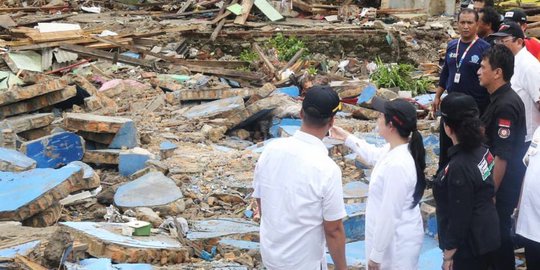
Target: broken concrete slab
{"type": "Point", "coordinates": [105, 263]}
{"type": "Point", "coordinates": [18, 93]}
{"type": "Point", "coordinates": [15, 161]}
{"type": "Point", "coordinates": [356, 190]}
{"type": "Point", "coordinates": [210, 94]}
{"type": "Point", "coordinates": [116, 132]}
{"type": "Point", "coordinates": [215, 228]}
{"type": "Point", "coordinates": [47, 217]}
{"type": "Point", "coordinates": [104, 240]}
{"type": "Point", "coordinates": [38, 102]}
{"type": "Point", "coordinates": [55, 150]}
{"type": "Point", "coordinates": [102, 156]}
{"type": "Point", "coordinates": [117, 86]}
{"type": "Point", "coordinates": [153, 189]}
{"type": "Point", "coordinates": [232, 109]}
{"type": "Point", "coordinates": [20, 249]}
{"type": "Point", "coordinates": [90, 179]}
{"type": "Point", "coordinates": [133, 160]}
{"type": "Point", "coordinates": [29, 121]}
{"type": "Point", "coordinates": [166, 149]}
{"type": "Point", "coordinates": [31, 192]}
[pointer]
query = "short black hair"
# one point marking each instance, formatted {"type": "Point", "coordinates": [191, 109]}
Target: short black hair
{"type": "Point", "coordinates": [491, 16]}
{"type": "Point", "coordinates": [487, 3]}
{"type": "Point", "coordinates": [313, 121]}
{"type": "Point", "coordinates": [468, 11]}
{"type": "Point", "coordinates": [499, 56]}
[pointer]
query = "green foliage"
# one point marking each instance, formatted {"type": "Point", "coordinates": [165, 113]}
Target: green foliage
{"type": "Point", "coordinates": [312, 71]}
{"type": "Point", "coordinates": [287, 47]}
{"type": "Point", "coordinates": [248, 56]}
{"type": "Point", "coordinates": [399, 75]}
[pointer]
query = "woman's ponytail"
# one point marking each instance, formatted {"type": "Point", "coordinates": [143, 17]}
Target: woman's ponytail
{"type": "Point", "coordinates": [416, 147]}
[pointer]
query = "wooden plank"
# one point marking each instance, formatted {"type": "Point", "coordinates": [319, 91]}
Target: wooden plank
{"type": "Point", "coordinates": [106, 55]}
{"type": "Point", "coordinates": [246, 10]}
{"type": "Point", "coordinates": [303, 6]}
{"type": "Point", "coordinates": [32, 9]}
{"type": "Point", "coordinates": [266, 62]}
{"type": "Point", "coordinates": [185, 6]}
{"type": "Point", "coordinates": [29, 263]}
{"type": "Point", "coordinates": [55, 36]}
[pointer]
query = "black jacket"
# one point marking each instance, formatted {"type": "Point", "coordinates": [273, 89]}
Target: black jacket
{"type": "Point", "coordinates": [466, 214]}
{"type": "Point", "coordinates": [504, 119]}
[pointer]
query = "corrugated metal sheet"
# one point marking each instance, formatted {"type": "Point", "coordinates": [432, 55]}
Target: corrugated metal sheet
{"type": "Point", "coordinates": [62, 56]}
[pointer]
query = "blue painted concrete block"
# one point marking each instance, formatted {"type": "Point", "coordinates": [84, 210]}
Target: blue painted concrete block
{"type": "Point", "coordinates": [277, 123]}
{"type": "Point", "coordinates": [432, 228]}
{"type": "Point", "coordinates": [167, 145]}
{"type": "Point", "coordinates": [240, 244]}
{"type": "Point", "coordinates": [55, 150]}
{"type": "Point", "coordinates": [152, 189]}
{"type": "Point", "coordinates": [367, 94]}
{"type": "Point", "coordinates": [11, 160]}
{"type": "Point", "coordinates": [129, 163]}
{"type": "Point", "coordinates": [292, 91]}
{"type": "Point", "coordinates": [20, 189]}
{"type": "Point", "coordinates": [110, 232]}
{"type": "Point", "coordinates": [125, 137]}
{"type": "Point", "coordinates": [105, 264]}
{"type": "Point", "coordinates": [355, 222]}
{"type": "Point", "coordinates": [22, 249]}
{"type": "Point", "coordinates": [214, 228]}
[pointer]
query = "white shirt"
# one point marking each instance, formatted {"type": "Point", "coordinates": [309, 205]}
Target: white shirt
{"type": "Point", "coordinates": [529, 208]}
{"type": "Point", "coordinates": [394, 230]}
{"type": "Point", "coordinates": [526, 83]}
{"type": "Point", "coordinates": [299, 186]}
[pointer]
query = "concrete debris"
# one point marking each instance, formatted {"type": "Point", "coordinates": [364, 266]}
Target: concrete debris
{"type": "Point", "coordinates": [123, 118]}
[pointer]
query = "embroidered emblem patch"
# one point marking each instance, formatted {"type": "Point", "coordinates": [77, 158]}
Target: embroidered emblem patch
{"type": "Point", "coordinates": [486, 165]}
{"type": "Point", "coordinates": [504, 132]}
{"type": "Point", "coordinates": [475, 59]}
{"type": "Point", "coordinates": [504, 123]}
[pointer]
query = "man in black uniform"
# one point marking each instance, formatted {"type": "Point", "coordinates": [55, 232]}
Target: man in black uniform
{"type": "Point", "coordinates": [504, 120]}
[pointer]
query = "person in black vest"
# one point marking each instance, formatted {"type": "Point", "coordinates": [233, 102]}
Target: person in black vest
{"type": "Point", "coordinates": [464, 190]}
{"type": "Point", "coordinates": [504, 120]}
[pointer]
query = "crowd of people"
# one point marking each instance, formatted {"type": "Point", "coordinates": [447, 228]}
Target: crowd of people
{"type": "Point", "coordinates": [486, 186]}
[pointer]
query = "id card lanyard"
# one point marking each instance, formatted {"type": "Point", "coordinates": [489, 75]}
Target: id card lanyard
{"type": "Point", "coordinates": [457, 77]}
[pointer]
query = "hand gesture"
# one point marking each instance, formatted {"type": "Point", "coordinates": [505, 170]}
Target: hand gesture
{"type": "Point", "coordinates": [339, 133]}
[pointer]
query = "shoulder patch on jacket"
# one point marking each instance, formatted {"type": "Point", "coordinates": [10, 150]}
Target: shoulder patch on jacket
{"type": "Point", "coordinates": [486, 165]}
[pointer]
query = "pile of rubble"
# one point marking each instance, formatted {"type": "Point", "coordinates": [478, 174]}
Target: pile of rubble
{"type": "Point", "coordinates": [129, 130]}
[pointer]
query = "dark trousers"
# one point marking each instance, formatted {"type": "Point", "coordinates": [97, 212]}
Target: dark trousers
{"type": "Point", "coordinates": [532, 254]}
{"type": "Point", "coordinates": [504, 256]}
{"type": "Point", "coordinates": [483, 262]}
{"type": "Point", "coordinates": [444, 144]}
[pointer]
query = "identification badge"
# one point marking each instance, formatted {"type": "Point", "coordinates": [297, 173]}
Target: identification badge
{"type": "Point", "coordinates": [457, 78]}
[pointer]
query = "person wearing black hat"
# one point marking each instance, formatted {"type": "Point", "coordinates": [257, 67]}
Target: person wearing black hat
{"type": "Point", "coordinates": [464, 191]}
{"type": "Point", "coordinates": [394, 229]}
{"type": "Point", "coordinates": [526, 73]}
{"type": "Point", "coordinates": [504, 120]}
{"type": "Point", "coordinates": [299, 192]}
{"type": "Point", "coordinates": [518, 16]}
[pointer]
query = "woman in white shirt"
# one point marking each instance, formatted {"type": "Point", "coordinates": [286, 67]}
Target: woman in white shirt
{"type": "Point", "coordinates": [394, 228]}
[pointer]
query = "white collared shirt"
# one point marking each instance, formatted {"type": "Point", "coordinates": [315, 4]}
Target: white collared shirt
{"type": "Point", "coordinates": [299, 186]}
{"type": "Point", "coordinates": [394, 229]}
{"type": "Point", "coordinates": [529, 207]}
{"type": "Point", "coordinates": [526, 83]}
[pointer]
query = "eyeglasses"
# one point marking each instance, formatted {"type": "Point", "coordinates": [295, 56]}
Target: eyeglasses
{"type": "Point", "coordinates": [504, 40]}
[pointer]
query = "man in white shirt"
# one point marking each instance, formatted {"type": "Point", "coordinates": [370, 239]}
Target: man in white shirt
{"type": "Point", "coordinates": [529, 211]}
{"type": "Point", "coordinates": [526, 78]}
{"type": "Point", "coordinates": [299, 191]}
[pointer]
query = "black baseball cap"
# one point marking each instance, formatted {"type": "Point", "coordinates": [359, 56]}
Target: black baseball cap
{"type": "Point", "coordinates": [509, 29]}
{"type": "Point", "coordinates": [321, 101]}
{"type": "Point", "coordinates": [401, 112]}
{"type": "Point", "coordinates": [457, 106]}
{"type": "Point", "coordinates": [515, 15]}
